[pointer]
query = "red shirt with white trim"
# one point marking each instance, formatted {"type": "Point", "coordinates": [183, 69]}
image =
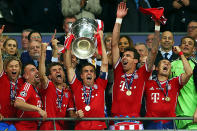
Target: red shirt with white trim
{"type": "Point", "coordinates": [156, 105]}
{"type": "Point", "coordinates": [6, 108]}
{"type": "Point", "coordinates": [30, 96]}
{"type": "Point", "coordinates": [122, 104]}
{"type": "Point", "coordinates": [50, 101]}
{"type": "Point", "coordinates": [97, 103]}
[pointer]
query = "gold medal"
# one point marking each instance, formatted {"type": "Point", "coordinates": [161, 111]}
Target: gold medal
{"type": "Point", "coordinates": [167, 99]}
{"type": "Point", "coordinates": [128, 93]}
{"type": "Point", "coordinates": [87, 108]}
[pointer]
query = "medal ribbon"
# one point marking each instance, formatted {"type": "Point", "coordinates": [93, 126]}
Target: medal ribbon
{"type": "Point", "coordinates": [59, 100]}
{"type": "Point", "coordinates": [158, 83]}
{"type": "Point", "coordinates": [13, 91]}
{"type": "Point", "coordinates": [37, 93]}
{"type": "Point", "coordinates": [131, 80]}
{"type": "Point", "coordinates": [87, 99]}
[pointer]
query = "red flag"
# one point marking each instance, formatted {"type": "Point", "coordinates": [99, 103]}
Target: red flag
{"type": "Point", "coordinates": [157, 14]}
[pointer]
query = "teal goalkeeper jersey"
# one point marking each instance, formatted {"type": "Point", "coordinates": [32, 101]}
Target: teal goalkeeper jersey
{"type": "Point", "coordinates": [187, 99]}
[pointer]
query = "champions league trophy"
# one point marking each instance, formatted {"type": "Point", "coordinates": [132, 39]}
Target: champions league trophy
{"type": "Point", "coordinates": [84, 42]}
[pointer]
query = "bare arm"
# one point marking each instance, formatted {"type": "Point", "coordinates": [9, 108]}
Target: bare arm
{"type": "Point", "coordinates": [1, 60]}
{"type": "Point", "coordinates": [188, 70]}
{"type": "Point", "coordinates": [54, 45]}
{"type": "Point", "coordinates": [67, 63]}
{"type": "Point", "coordinates": [42, 66]}
{"type": "Point", "coordinates": [195, 116]}
{"type": "Point", "coordinates": [1, 117]}
{"type": "Point", "coordinates": [121, 12]}
{"type": "Point", "coordinates": [152, 52]}
{"type": "Point", "coordinates": [104, 66]}
{"type": "Point", "coordinates": [20, 104]}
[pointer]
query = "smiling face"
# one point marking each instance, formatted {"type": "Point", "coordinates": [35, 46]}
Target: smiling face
{"type": "Point", "coordinates": [123, 43]}
{"type": "Point", "coordinates": [57, 74]}
{"type": "Point", "coordinates": [187, 46]}
{"type": "Point", "coordinates": [167, 41]}
{"type": "Point", "coordinates": [88, 75]}
{"type": "Point", "coordinates": [31, 75]}
{"type": "Point", "coordinates": [10, 47]}
{"type": "Point", "coordinates": [128, 61]}
{"type": "Point", "coordinates": [34, 49]}
{"type": "Point", "coordinates": [164, 68]}
{"type": "Point", "coordinates": [13, 70]}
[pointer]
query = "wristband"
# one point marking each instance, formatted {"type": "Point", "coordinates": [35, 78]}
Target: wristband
{"type": "Point", "coordinates": [180, 53]}
{"type": "Point", "coordinates": [119, 20]}
{"type": "Point", "coordinates": [157, 27]}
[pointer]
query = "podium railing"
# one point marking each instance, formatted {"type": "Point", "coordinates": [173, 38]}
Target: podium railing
{"type": "Point", "coordinates": [101, 119]}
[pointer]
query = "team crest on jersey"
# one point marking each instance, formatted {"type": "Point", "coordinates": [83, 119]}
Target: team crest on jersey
{"type": "Point", "coordinates": [152, 88]}
{"type": "Point", "coordinates": [23, 93]}
{"type": "Point", "coordinates": [95, 86]}
{"type": "Point", "coordinates": [66, 94]}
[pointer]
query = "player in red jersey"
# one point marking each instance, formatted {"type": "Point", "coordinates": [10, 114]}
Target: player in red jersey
{"type": "Point", "coordinates": [89, 94]}
{"type": "Point", "coordinates": [129, 82]}
{"type": "Point", "coordinates": [10, 83]}
{"type": "Point", "coordinates": [29, 101]}
{"type": "Point", "coordinates": [57, 97]}
{"type": "Point", "coordinates": [161, 93]}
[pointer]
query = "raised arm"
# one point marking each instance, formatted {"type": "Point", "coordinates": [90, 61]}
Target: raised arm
{"type": "Point", "coordinates": [67, 63]}
{"type": "Point", "coordinates": [121, 12]}
{"type": "Point", "coordinates": [104, 66]}
{"type": "Point", "coordinates": [188, 70]}
{"type": "Point", "coordinates": [42, 66]}
{"type": "Point", "coordinates": [152, 52]}
{"type": "Point", "coordinates": [54, 42]}
{"type": "Point", "coordinates": [1, 60]}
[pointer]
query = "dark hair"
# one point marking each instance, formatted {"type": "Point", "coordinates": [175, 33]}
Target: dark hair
{"type": "Point", "coordinates": [24, 66]}
{"type": "Point", "coordinates": [136, 54]}
{"type": "Point", "coordinates": [27, 30]}
{"type": "Point", "coordinates": [160, 61]}
{"type": "Point", "coordinates": [190, 38]}
{"type": "Point", "coordinates": [87, 64]}
{"type": "Point", "coordinates": [9, 59]}
{"type": "Point", "coordinates": [129, 40]}
{"type": "Point", "coordinates": [49, 66]}
{"type": "Point", "coordinates": [34, 31]}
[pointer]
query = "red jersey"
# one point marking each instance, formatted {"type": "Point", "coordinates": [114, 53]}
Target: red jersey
{"type": "Point", "coordinates": [29, 95]}
{"type": "Point", "coordinates": [156, 104]}
{"type": "Point", "coordinates": [50, 100]}
{"type": "Point", "coordinates": [123, 104]}
{"type": "Point", "coordinates": [6, 108]}
{"type": "Point", "coordinates": [97, 103]}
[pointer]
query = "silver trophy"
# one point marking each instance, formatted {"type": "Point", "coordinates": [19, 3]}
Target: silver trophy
{"type": "Point", "coordinates": [83, 45]}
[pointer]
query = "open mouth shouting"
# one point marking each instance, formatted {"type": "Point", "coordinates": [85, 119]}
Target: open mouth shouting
{"type": "Point", "coordinates": [37, 77]}
{"type": "Point", "coordinates": [89, 78]}
{"type": "Point", "coordinates": [59, 77]}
